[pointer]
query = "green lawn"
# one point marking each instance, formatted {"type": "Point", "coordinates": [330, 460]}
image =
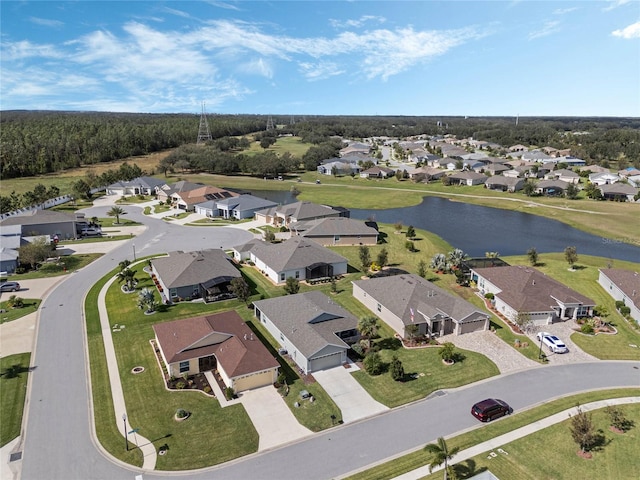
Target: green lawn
{"type": "Point", "coordinates": [30, 305]}
{"type": "Point", "coordinates": [13, 389]}
{"type": "Point", "coordinates": [486, 432]}
{"type": "Point", "coordinates": [585, 281]}
{"type": "Point", "coordinates": [69, 264]}
{"type": "Point", "coordinates": [617, 458]}
{"type": "Point", "coordinates": [294, 145]}
{"type": "Point", "coordinates": [424, 371]}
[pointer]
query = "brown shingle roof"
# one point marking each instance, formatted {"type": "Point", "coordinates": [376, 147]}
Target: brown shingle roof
{"type": "Point", "coordinates": [627, 281]}
{"type": "Point", "coordinates": [224, 335]}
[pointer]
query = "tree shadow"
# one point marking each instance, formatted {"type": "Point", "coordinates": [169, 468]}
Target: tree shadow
{"type": "Point", "coordinates": [579, 267]}
{"type": "Point", "coordinates": [389, 343]}
{"type": "Point", "coordinates": [599, 442]}
{"type": "Point", "coordinates": [467, 469]}
{"type": "Point", "coordinates": [14, 371]}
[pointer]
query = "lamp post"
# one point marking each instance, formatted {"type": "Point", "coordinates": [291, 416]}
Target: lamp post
{"type": "Point", "coordinates": [540, 352]}
{"type": "Point", "coordinates": [126, 440]}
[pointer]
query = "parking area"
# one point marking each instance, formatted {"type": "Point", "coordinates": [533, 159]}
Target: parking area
{"type": "Point", "coordinates": [563, 330]}
{"type": "Point", "coordinates": [353, 401]}
{"type": "Point", "coordinates": [271, 417]}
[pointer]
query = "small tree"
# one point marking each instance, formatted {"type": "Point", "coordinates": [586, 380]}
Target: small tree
{"type": "Point", "coordinates": [411, 331]}
{"type": "Point", "coordinates": [571, 255]}
{"type": "Point", "coordinates": [411, 232]}
{"type": "Point", "coordinates": [365, 258]}
{"type": "Point", "coordinates": [334, 285]}
{"type": "Point", "coordinates": [269, 236]}
{"type": "Point", "coordinates": [409, 245]}
{"type": "Point", "coordinates": [147, 300]}
{"type": "Point", "coordinates": [448, 352]}
{"type": "Point", "coordinates": [292, 286]}
{"type": "Point", "coordinates": [440, 454]}
{"type": "Point", "coordinates": [15, 302]}
{"type": "Point", "coordinates": [240, 289]}
{"type": "Point", "coordinates": [373, 363]}
{"type": "Point", "coordinates": [422, 268]}
{"type": "Point", "coordinates": [523, 321]}
{"type": "Point", "coordinates": [368, 326]}
{"type": "Point", "coordinates": [617, 418]}
{"type": "Point", "coordinates": [35, 252]}
{"type": "Point", "coordinates": [397, 370]}
{"type": "Point", "coordinates": [582, 430]}
{"type": "Point", "coordinates": [532, 254]}
{"type": "Point", "coordinates": [116, 211]}
{"type": "Point", "coordinates": [124, 264]}
{"type": "Point", "coordinates": [383, 257]}
{"type": "Point", "coordinates": [127, 276]}
{"type": "Point", "coordinates": [572, 192]}
{"type": "Point", "coordinates": [439, 262]}
{"type": "Point", "coordinates": [398, 227]}
{"type": "Point", "coordinates": [455, 257]}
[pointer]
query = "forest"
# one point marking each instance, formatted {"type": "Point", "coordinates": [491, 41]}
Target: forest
{"type": "Point", "coordinates": [39, 142]}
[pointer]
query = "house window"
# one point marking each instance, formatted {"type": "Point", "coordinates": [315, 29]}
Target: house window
{"type": "Point", "coordinates": [379, 307]}
{"type": "Point", "coordinates": [173, 292]}
{"type": "Point", "coordinates": [297, 274]}
{"type": "Point", "coordinates": [336, 238]}
{"type": "Point", "coordinates": [184, 366]}
{"type": "Point", "coordinates": [282, 277]}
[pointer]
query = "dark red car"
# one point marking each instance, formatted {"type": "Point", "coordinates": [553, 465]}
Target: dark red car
{"type": "Point", "coordinates": [490, 409]}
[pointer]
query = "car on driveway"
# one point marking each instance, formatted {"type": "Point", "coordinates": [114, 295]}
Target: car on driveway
{"type": "Point", "coordinates": [9, 287]}
{"type": "Point", "coordinates": [91, 231]}
{"type": "Point", "coordinates": [490, 409]}
{"type": "Point", "coordinates": [553, 343]}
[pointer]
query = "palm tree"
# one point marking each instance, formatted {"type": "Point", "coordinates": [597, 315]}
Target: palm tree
{"type": "Point", "coordinates": [439, 262]}
{"type": "Point", "coordinates": [128, 276]}
{"type": "Point", "coordinates": [147, 300]}
{"type": "Point", "coordinates": [440, 454]}
{"type": "Point", "coordinates": [456, 257]}
{"type": "Point", "coordinates": [368, 326]}
{"type": "Point", "coordinates": [116, 212]}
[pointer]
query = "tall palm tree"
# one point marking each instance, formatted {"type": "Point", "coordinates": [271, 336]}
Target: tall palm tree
{"type": "Point", "coordinates": [127, 276]}
{"type": "Point", "coordinates": [440, 454]}
{"type": "Point", "coordinates": [116, 212]}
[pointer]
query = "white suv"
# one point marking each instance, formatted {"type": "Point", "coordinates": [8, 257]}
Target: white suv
{"type": "Point", "coordinates": [553, 343]}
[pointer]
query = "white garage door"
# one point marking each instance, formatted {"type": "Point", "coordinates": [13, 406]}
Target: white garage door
{"type": "Point", "coordinates": [328, 361]}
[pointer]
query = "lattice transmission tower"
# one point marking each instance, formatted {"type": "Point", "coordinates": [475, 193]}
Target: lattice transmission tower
{"type": "Point", "coordinates": [270, 124]}
{"type": "Point", "coordinates": [203, 131]}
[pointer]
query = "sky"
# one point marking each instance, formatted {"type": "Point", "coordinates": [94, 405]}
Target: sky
{"type": "Point", "coordinates": [415, 58]}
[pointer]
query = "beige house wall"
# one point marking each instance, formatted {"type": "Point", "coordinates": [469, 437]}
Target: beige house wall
{"type": "Point", "coordinates": [379, 310]}
{"type": "Point", "coordinates": [255, 380]}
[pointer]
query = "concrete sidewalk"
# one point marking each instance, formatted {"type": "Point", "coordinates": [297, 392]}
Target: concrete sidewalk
{"type": "Point", "coordinates": [498, 442]}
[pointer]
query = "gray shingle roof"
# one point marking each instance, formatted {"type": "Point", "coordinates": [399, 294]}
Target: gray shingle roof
{"type": "Point", "coordinates": [334, 226]}
{"type": "Point", "coordinates": [526, 289]}
{"type": "Point", "coordinates": [626, 280]}
{"type": "Point", "coordinates": [246, 202]}
{"type": "Point", "coordinates": [309, 320]}
{"type": "Point", "coordinates": [305, 211]}
{"type": "Point", "coordinates": [39, 217]}
{"type": "Point", "coordinates": [400, 293]}
{"type": "Point", "coordinates": [294, 253]}
{"type": "Point", "coordinates": [192, 268]}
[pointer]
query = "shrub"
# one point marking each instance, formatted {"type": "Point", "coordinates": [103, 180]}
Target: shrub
{"type": "Point", "coordinates": [397, 370]}
{"type": "Point", "coordinates": [373, 363]}
{"type": "Point", "coordinates": [447, 352]}
{"type": "Point", "coordinates": [625, 310]}
{"type": "Point", "coordinates": [489, 296]}
{"type": "Point", "coordinates": [587, 328]}
{"type": "Point", "coordinates": [229, 393]}
{"type": "Point", "coordinates": [619, 304]}
{"type": "Point", "coordinates": [180, 385]}
{"type": "Point", "coordinates": [15, 302]}
{"type": "Point", "coordinates": [409, 245]}
{"type": "Point", "coordinates": [182, 413]}
{"type": "Point", "coordinates": [207, 389]}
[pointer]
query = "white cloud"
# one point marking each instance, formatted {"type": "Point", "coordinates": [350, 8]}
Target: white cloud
{"type": "Point", "coordinates": [25, 49]}
{"type": "Point", "coordinates": [357, 23]}
{"type": "Point", "coordinates": [260, 66]}
{"type": "Point", "coordinates": [630, 32]}
{"type": "Point", "coordinates": [45, 22]}
{"type": "Point", "coordinates": [320, 70]}
{"type": "Point", "coordinates": [612, 4]}
{"type": "Point", "coordinates": [549, 27]}
{"type": "Point", "coordinates": [564, 11]}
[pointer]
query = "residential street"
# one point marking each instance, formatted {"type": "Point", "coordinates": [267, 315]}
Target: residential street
{"type": "Point", "coordinates": [60, 444]}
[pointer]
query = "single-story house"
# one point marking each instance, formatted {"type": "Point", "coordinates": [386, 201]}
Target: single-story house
{"type": "Point", "coordinates": [221, 342]}
{"type": "Point", "coordinates": [618, 191]}
{"type": "Point", "coordinates": [296, 257]}
{"type": "Point", "coordinates": [604, 178]}
{"type": "Point", "coordinates": [338, 166]}
{"type": "Point", "coordinates": [187, 200]}
{"type": "Point", "coordinates": [505, 184]}
{"type": "Point", "coordinates": [168, 192]}
{"type": "Point", "coordinates": [8, 260]}
{"type": "Point", "coordinates": [336, 231]}
{"type": "Point", "coordinates": [467, 178]}
{"type": "Point", "coordinates": [622, 285]}
{"type": "Point", "coordinates": [537, 156]}
{"type": "Point", "coordinates": [204, 274]}
{"type": "Point", "coordinates": [408, 299]}
{"type": "Point", "coordinates": [242, 206]}
{"type": "Point", "coordinates": [284, 215]}
{"type": "Point", "coordinates": [518, 148]}
{"type": "Point", "coordinates": [47, 222]}
{"type": "Point", "coordinates": [632, 175]}
{"type": "Point", "coordinates": [313, 330]}
{"type": "Point", "coordinates": [137, 186]}
{"type": "Point", "coordinates": [551, 187]}
{"type": "Point", "coordinates": [377, 172]}
{"type": "Point", "coordinates": [519, 289]}
{"type": "Point", "coordinates": [565, 175]}
{"type": "Point", "coordinates": [355, 147]}
{"type": "Point", "coordinates": [426, 174]}
{"type": "Point", "coordinates": [494, 168]}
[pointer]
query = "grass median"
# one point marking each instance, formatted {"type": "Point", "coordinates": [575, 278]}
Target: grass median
{"type": "Point", "coordinates": [14, 372]}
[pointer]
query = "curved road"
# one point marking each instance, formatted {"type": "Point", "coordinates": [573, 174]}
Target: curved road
{"type": "Point", "coordinates": [59, 444]}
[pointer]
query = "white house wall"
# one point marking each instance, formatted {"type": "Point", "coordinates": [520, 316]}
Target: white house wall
{"type": "Point", "coordinates": [379, 310]}
{"type": "Point", "coordinates": [284, 342]}
{"type": "Point", "coordinates": [614, 291]}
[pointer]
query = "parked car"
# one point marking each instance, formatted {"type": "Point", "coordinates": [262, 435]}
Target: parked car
{"type": "Point", "coordinates": [490, 409]}
{"type": "Point", "coordinates": [9, 287]}
{"type": "Point", "coordinates": [88, 231]}
{"type": "Point", "coordinates": [553, 343]}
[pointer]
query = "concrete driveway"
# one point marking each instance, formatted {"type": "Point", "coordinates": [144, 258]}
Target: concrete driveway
{"type": "Point", "coordinates": [353, 401]}
{"type": "Point", "coordinates": [273, 420]}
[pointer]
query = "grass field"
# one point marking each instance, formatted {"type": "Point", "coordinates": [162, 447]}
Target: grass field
{"type": "Point", "coordinates": [30, 305]}
{"type": "Point", "coordinates": [416, 459]}
{"type": "Point", "coordinates": [13, 389]}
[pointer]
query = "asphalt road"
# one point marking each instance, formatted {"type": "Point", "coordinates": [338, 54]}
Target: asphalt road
{"type": "Point", "coordinates": [58, 443]}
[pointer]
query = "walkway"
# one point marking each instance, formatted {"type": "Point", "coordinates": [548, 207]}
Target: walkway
{"type": "Point", "coordinates": [498, 442]}
{"type": "Point", "coordinates": [354, 402]}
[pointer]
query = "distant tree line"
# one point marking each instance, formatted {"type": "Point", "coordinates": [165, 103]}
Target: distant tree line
{"type": "Point", "coordinates": [37, 142]}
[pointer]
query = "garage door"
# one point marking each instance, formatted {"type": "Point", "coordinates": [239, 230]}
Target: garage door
{"type": "Point", "coordinates": [254, 381]}
{"type": "Point", "coordinates": [328, 361]}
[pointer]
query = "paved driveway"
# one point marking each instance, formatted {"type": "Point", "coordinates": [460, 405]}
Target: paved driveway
{"type": "Point", "coordinates": [563, 330]}
{"type": "Point", "coordinates": [353, 401]}
{"type": "Point", "coordinates": [273, 420]}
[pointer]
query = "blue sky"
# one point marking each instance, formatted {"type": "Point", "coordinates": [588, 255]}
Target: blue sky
{"type": "Point", "coordinates": [476, 58]}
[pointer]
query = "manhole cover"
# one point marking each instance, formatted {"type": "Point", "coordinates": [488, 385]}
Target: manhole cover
{"type": "Point", "coordinates": [15, 457]}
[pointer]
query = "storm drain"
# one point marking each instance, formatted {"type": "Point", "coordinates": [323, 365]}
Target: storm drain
{"type": "Point", "coordinates": [15, 457]}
